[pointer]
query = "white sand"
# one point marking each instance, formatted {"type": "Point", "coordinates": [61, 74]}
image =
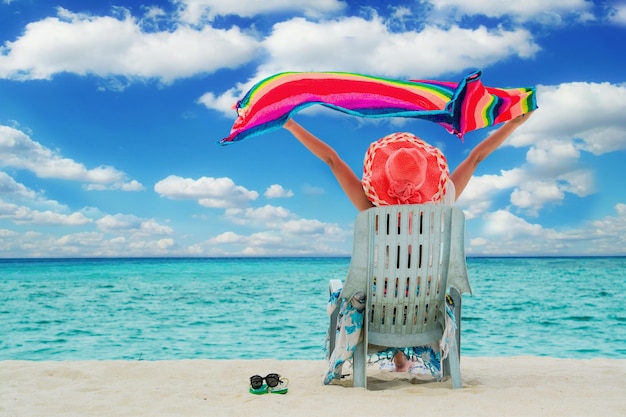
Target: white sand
{"type": "Point", "coordinates": [521, 386]}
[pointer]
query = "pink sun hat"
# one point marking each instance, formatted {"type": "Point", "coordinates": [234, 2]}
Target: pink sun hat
{"type": "Point", "coordinates": [403, 169]}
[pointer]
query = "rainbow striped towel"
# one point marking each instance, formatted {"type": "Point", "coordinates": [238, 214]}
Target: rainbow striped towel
{"type": "Point", "coordinates": [458, 107]}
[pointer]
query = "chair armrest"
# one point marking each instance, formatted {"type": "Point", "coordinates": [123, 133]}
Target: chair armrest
{"type": "Point", "coordinates": [334, 285]}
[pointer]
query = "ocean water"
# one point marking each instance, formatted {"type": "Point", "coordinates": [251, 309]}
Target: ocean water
{"type": "Point", "coordinates": [155, 309]}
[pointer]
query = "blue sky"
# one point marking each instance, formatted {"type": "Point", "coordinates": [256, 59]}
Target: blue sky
{"type": "Point", "coordinates": [110, 114]}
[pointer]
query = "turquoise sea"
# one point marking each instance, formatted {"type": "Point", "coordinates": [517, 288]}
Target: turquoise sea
{"type": "Point", "coordinates": [154, 309]}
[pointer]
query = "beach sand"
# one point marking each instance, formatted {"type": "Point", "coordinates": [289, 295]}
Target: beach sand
{"type": "Point", "coordinates": [519, 386]}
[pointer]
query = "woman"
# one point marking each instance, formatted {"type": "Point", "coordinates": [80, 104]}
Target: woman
{"type": "Point", "coordinates": [402, 169]}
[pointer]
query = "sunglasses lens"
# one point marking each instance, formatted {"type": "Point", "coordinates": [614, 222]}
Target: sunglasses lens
{"type": "Point", "coordinates": [256, 381]}
{"type": "Point", "coordinates": [272, 380]}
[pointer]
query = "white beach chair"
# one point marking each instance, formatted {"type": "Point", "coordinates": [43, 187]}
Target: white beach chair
{"type": "Point", "coordinates": [406, 257]}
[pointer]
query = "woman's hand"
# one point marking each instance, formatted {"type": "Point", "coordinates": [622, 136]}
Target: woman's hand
{"type": "Point", "coordinates": [288, 124]}
{"type": "Point", "coordinates": [462, 174]}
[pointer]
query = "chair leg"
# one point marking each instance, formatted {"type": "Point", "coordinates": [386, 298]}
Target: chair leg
{"type": "Point", "coordinates": [455, 366]}
{"type": "Point", "coordinates": [359, 366]}
{"type": "Point", "coordinates": [333, 286]}
{"type": "Point", "coordinates": [446, 366]}
{"type": "Point", "coordinates": [332, 331]}
{"type": "Point", "coordinates": [456, 297]}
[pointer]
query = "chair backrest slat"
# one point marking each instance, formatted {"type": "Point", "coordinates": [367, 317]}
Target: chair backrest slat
{"type": "Point", "coordinates": [408, 270]}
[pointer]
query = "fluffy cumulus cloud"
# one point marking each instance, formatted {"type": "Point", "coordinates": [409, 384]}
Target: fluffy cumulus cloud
{"type": "Point", "coordinates": [10, 187]}
{"type": "Point", "coordinates": [209, 192]}
{"type": "Point", "coordinates": [266, 243]}
{"type": "Point", "coordinates": [89, 244]}
{"type": "Point", "coordinates": [276, 231]}
{"type": "Point", "coordinates": [277, 191]}
{"type": "Point", "coordinates": [268, 216]}
{"type": "Point", "coordinates": [132, 224]}
{"type": "Point", "coordinates": [25, 215]}
{"type": "Point", "coordinates": [194, 11]}
{"type": "Point", "coordinates": [24, 206]}
{"type": "Point", "coordinates": [618, 13]}
{"type": "Point", "coordinates": [118, 46]}
{"type": "Point", "coordinates": [587, 116]}
{"type": "Point", "coordinates": [520, 9]}
{"type": "Point", "coordinates": [609, 234]}
{"type": "Point", "coordinates": [18, 150]}
{"type": "Point", "coordinates": [298, 44]}
{"type": "Point", "coordinates": [480, 192]}
{"type": "Point", "coordinates": [504, 233]}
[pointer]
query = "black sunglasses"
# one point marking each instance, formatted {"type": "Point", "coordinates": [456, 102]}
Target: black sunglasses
{"type": "Point", "coordinates": [256, 381]}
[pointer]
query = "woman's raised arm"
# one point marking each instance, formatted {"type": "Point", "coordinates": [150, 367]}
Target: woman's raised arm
{"type": "Point", "coordinates": [348, 180]}
{"type": "Point", "coordinates": [463, 173]}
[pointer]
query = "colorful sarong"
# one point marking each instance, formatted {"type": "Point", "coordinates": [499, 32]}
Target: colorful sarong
{"type": "Point", "coordinates": [458, 107]}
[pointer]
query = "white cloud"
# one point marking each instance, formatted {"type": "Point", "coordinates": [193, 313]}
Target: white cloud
{"type": "Point", "coordinates": [132, 185]}
{"type": "Point", "coordinates": [310, 227]}
{"type": "Point", "coordinates": [553, 152]}
{"type": "Point", "coordinates": [82, 239]}
{"type": "Point", "coordinates": [210, 192]}
{"type": "Point", "coordinates": [267, 243]}
{"type": "Point", "coordinates": [194, 11]}
{"type": "Point", "coordinates": [506, 234]}
{"type": "Point", "coordinates": [481, 190]}
{"type": "Point", "coordinates": [520, 9]}
{"type": "Point", "coordinates": [15, 192]}
{"type": "Point", "coordinates": [260, 243]}
{"type": "Point", "coordinates": [227, 237]}
{"type": "Point", "coordinates": [6, 233]}
{"type": "Point", "coordinates": [282, 233]}
{"type": "Point", "coordinates": [265, 240]}
{"type": "Point", "coordinates": [25, 215]}
{"type": "Point", "coordinates": [504, 223]}
{"type": "Point", "coordinates": [117, 46]}
{"type": "Point", "coordinates": [19, 151]}
{"type": "Point", "coordinates": [534, 195]}
{"type": "Point", "coordinates": [281, 220]}
{"type": "Point", "coordinates": [301, 45]}
{"type": "Point", "coordinates": [618, 13]}
{"type": "Point", "coordinates": [609, 234]}
{"type": "Point", "coordinates": [586, 116]}
{"type": "Point", "coordinates": [159, 246]}
{"type": "Point", "coordinates": [130, 223]}
{"type": "Point", "coordinates": [8, 186]}
{"type": "Point", "coordinates": [93, 244]}
{"type": "Point", "coordinates": [530, 188]}
{"type": "Point", "coordinates": [266, 216]}
{"type": "Point", "coordinates": [578, 182]}
{"type": "Point", "coordinates": [277, 191]}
